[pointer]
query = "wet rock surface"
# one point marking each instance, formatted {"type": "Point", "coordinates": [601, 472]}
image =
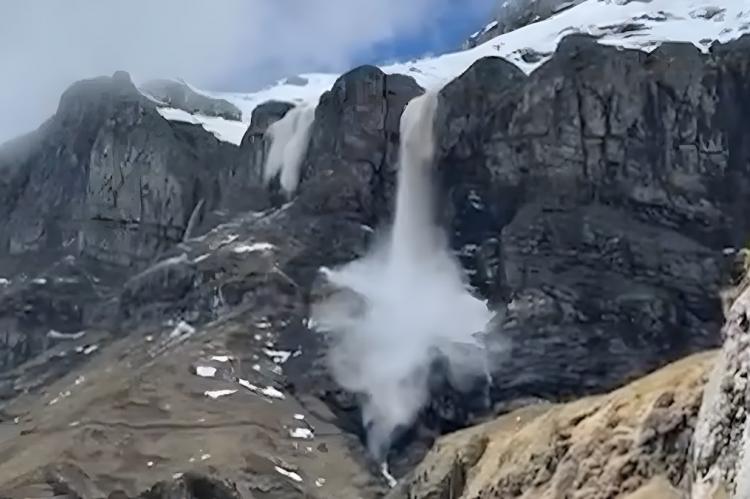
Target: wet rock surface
{"type": "Point", "coordinates": [157, 297]}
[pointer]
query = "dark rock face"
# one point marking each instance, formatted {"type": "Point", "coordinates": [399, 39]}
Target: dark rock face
{"type": "Point", "coordinates": [354, 145]}
{"type": "Point", "coordinates": [146, 176]}
{"type": "Point", "coordinates": [596, 198]}
{"type": "Point", "coordinates": [109, 176]}
{"type": "Point", "coordinates": [47, 183]}
{"type": "Point", "coordinates": [719, 462]}
{"type": "Point", "coordinates": [178, 95]}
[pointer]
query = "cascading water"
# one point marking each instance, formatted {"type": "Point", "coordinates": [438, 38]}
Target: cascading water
{"type": "Point", "coordinates": [289, 138]}
{"type": "Point", "coordinates": [405, 304]}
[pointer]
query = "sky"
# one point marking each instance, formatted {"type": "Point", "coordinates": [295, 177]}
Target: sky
{"type": "Point", "coordinates": [236, 45]}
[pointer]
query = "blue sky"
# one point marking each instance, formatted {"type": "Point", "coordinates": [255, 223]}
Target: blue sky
{"type": "Point", "coordinates": [452, 23]}
{"type": "Point", "coordinates": [445, 33]}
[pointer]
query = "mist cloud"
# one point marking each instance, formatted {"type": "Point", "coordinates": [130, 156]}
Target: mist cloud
{"type": "Point", "coordinates": [45, 45]}
{"type": "Point", "coordinates": [396, 312]}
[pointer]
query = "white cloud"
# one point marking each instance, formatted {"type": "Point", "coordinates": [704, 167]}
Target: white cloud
{"type": "Point", "coordinates": [47, 44]}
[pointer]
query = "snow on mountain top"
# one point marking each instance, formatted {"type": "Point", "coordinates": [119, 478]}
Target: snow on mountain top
{"type": "Point", "coordinates": [225, 130]}
{"type": "Point", "coordinates": [304, 88]}
{"type": "Point", "coordinates": [636, 25]}
{"type": "Point", "coordinates": [630, 24]}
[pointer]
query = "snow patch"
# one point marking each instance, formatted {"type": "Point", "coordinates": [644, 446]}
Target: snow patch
{"type": "Point", "coordinates": [247, 384]}
{"type": "Point", "coordinates": [205, 371]}
{"type": "Point", "coordinates": [90, 349]}
{"type": "Point", "coordinates": [268, 391]}
{"type": "Point", "coordinates": [289, 474]}
{"type": "Point", "coordinates": [250, 248]}
{"type": "Point", "coordinates": [302, 433]}
{"type": "Point", "coordinates": [56, 335]}
{"type": "Point", "coordinates": [284, 90]}
{"type": "Point", "coordinates": [273, 393]}
{"type": "Point", "coordinates": [201, 258]}
{"type": "Point", "coordinates": [392, 482]}
{"type": "Point", "coordinates": [215, 394]}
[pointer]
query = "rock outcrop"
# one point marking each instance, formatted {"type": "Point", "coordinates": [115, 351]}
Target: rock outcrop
{"type": "Point", "coordinates": [110, 176]}
{"type": "Point", "coordinates": [721, 456]}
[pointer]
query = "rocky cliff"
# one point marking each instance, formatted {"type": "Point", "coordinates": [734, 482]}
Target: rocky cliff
{"type": "Point", "coordinates": [154, 333]}
{"type": "Point", "coordinates": [677, 433]}
{"type": "Point", "coordinates": [598, 197]}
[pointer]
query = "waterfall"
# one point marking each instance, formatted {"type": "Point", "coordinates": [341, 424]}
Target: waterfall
{"type": "Point", "coordinates": [289, 138]}
{"type": "Point", "coordinates": [414, 231]}
{"type": "Point", "coordinates": [404, 305]}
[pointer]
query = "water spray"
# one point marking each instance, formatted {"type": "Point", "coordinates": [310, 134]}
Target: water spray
{"type": "Point", "coordinates": [404, 305]}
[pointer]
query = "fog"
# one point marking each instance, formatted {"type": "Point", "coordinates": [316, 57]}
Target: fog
{"type": "Point", "coordinates": [45, 44]}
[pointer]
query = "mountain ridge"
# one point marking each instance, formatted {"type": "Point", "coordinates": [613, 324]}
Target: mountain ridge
{"type": "Point", "coordinates": [161, 342]}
